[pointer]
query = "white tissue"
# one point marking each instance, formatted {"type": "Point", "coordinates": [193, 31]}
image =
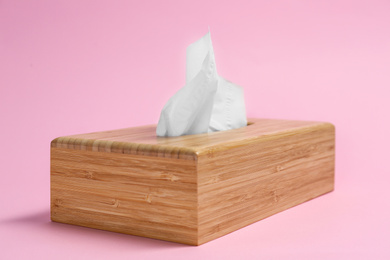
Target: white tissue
{"type": "Point", "coordinates": [207, 102]}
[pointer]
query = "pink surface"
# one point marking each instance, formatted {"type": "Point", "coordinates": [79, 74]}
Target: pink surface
{"type": "Point", "coordinates": [69, 67]}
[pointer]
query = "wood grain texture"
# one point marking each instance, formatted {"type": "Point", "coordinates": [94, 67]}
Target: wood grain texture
{"type": "Point", "coordinates": [189, 189]}
{"type": "Point", "coordinates": [125, 193]}
{"type": "Point", "coordinates": [143, 140]}
{"type": "Point", "coordinates": [241, 185]}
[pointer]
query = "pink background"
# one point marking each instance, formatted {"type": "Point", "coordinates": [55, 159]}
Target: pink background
{"type": "Point", "coordinates": [70, 67]}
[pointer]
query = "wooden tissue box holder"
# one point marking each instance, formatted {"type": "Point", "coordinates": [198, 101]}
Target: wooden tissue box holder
{"type": "Point", "coordinates": [189, 189]}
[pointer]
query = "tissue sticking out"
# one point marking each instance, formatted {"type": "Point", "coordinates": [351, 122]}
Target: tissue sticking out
{"type": "Point", "coordinates": [207, 103]}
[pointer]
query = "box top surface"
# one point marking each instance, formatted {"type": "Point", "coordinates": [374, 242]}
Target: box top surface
{"type": "Point", "coordinates": [143, 140]}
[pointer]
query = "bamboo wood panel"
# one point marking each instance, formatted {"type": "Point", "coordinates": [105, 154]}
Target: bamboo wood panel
{"type": "Point", "coordinates": [235, 192]}
{"type": "Point", "coordinates": [143, 140]}
{"type": "Point", "coordinates": [125, 193]}
{"type": "Point", "coordinates": [189, 189]}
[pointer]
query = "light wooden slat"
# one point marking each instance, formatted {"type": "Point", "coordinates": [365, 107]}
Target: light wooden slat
{"type": "Point", "coordinates": [122, 224]}
{"type": "Point", "coordinates": [130, 193]}
{"type": "Point", "coordinates": [143, 140]}
{"type": "Point", "coordinates": [289, 171]}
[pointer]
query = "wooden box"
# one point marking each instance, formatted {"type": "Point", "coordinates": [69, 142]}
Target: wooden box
{"type": "Point", "coordinates": [189, 189]}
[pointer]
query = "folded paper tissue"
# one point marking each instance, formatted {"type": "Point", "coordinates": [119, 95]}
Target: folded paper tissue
{"type": "Point", "coordinates": [207, 103]}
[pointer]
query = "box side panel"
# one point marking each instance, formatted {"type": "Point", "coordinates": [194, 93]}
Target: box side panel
{"type": "Point", "coordinates": [242, 185]}
{"type": "Point", "coordinates": [139, 195]}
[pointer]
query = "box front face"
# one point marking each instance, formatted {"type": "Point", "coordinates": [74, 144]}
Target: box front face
{"type": "Point", "coordinates": [242, 185]}
{"type": "Point", "coordinates": [139, 195]}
